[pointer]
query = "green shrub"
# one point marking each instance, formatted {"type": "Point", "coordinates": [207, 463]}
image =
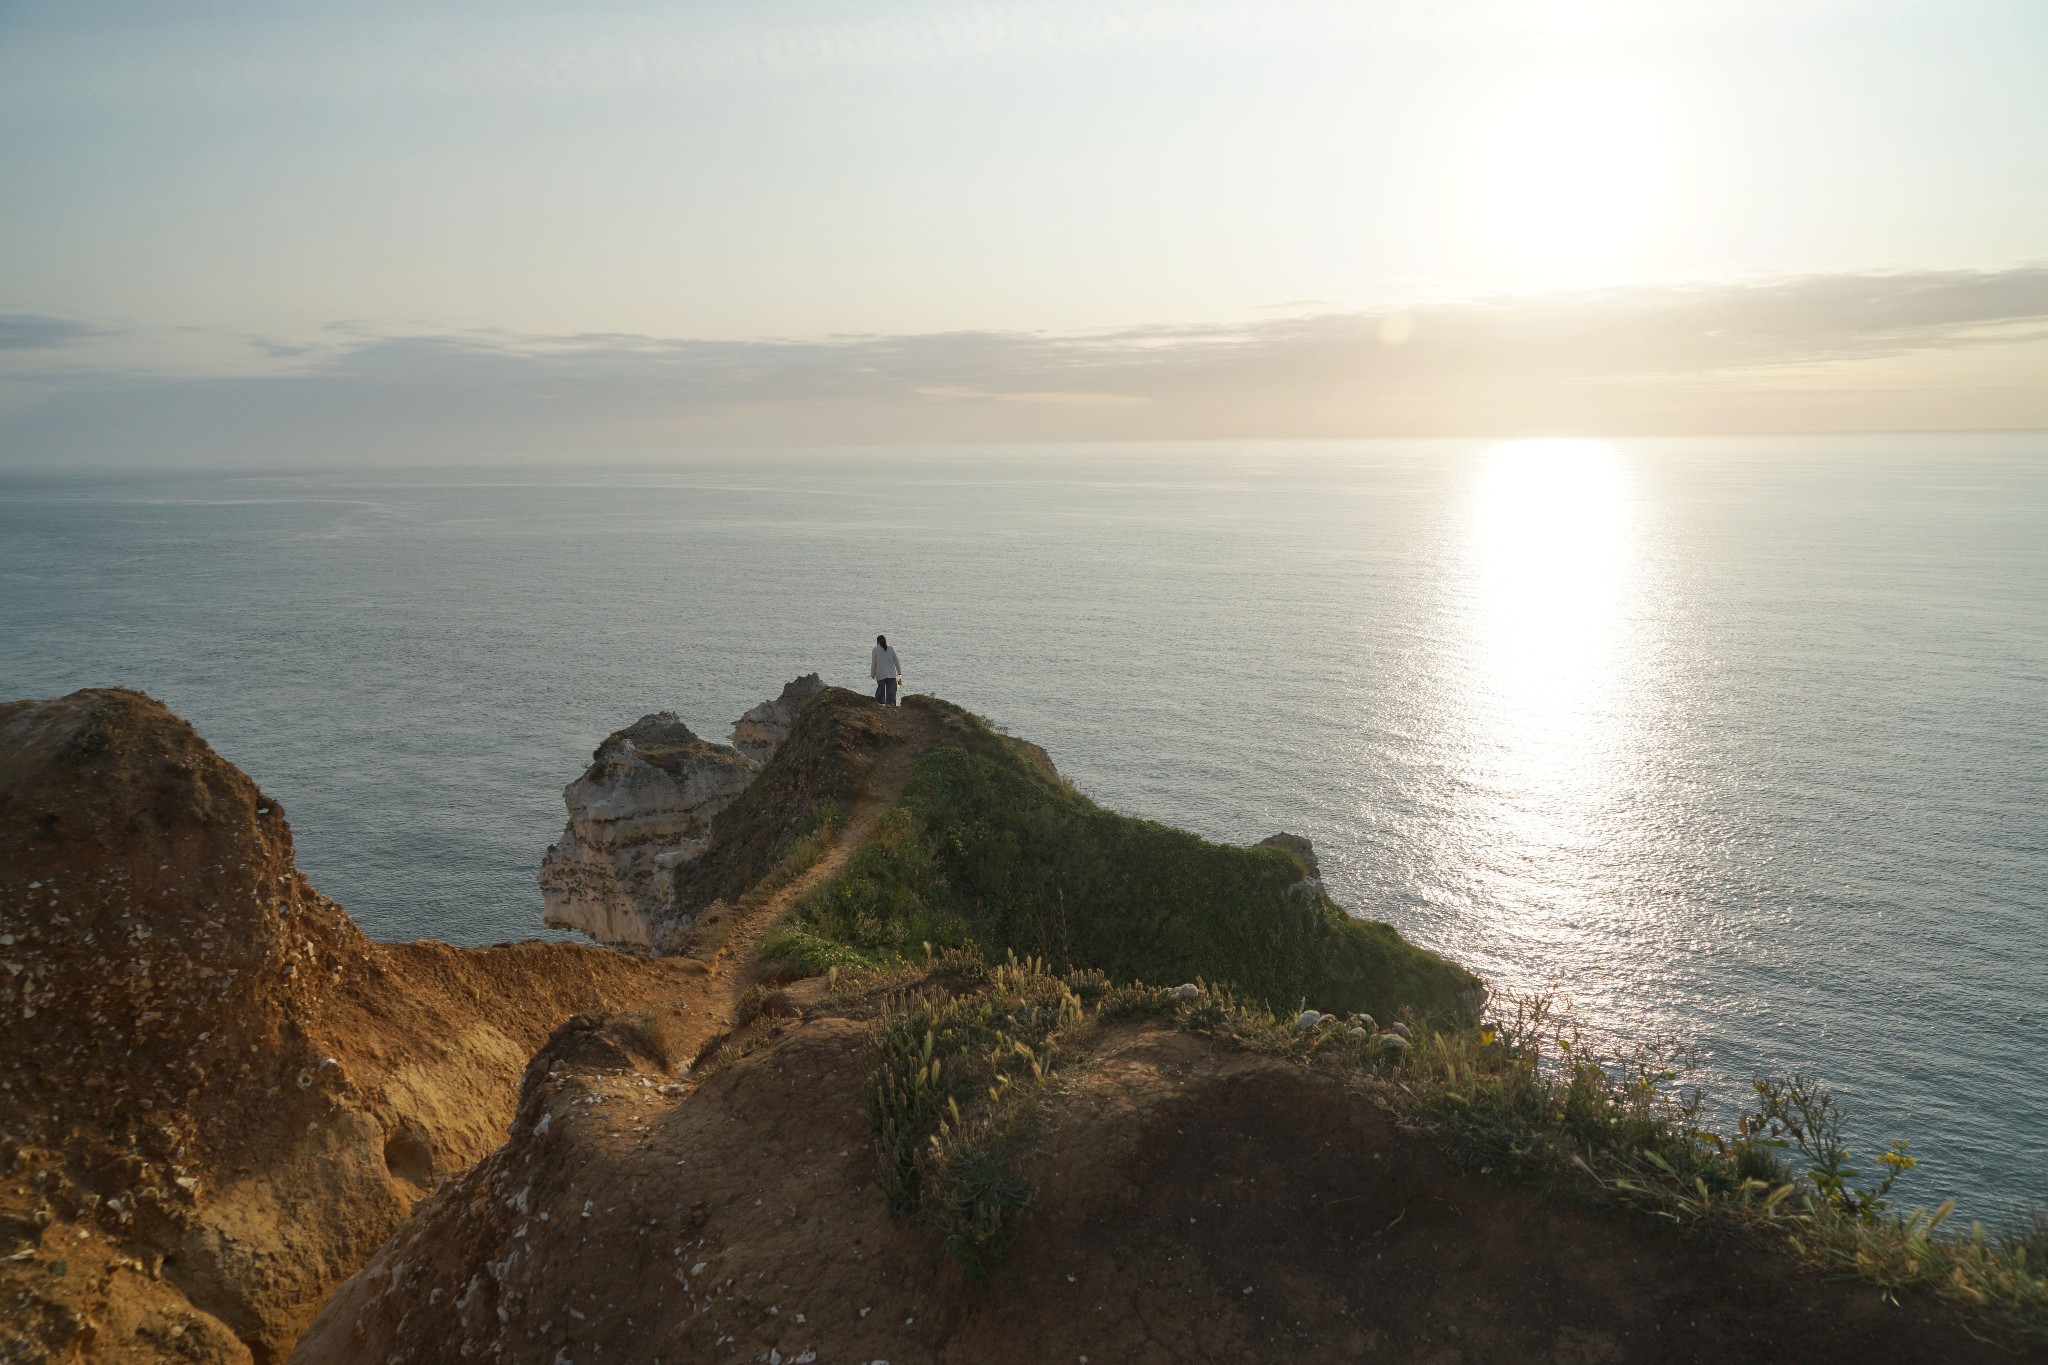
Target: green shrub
{"type": "Point", "coordinates": [955, 1081]}
{"type": "Point", "coordinates": [987, 848]}
{"type": "Point", "coordinates": [964, 1061]}
{"type": "Point", "coordinates": [1799, 1114]}
{"type": "Point", "coordinates": [1527, 1096]}
{"type": "Point", "coordinates": [792, 952]}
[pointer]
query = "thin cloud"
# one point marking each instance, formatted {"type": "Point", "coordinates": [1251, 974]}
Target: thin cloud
{"type": "Point", "coordinates": [241, 53]}
{"type": "Point", "coordinates": [37, 332]}
{"type": "Point", "coordinates": [1099, 400]}
{"type": "Point", "coordinates": [1955, 348]}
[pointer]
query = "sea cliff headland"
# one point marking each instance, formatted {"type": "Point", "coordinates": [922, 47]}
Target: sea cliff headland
{"type": "Point", "coordinates": [896, 1047]}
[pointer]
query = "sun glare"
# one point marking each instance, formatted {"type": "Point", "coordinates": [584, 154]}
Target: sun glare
{"type": "Point", "coordinates": [1567, 175]}
{"type": "Point", "coordinates": [1548, 662]}
{"type": "Point", "coordinates": [1549, 539]}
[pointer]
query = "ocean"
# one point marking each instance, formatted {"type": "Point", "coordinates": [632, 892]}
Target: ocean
{"type": "Point", "coordinates": [1742, 742]}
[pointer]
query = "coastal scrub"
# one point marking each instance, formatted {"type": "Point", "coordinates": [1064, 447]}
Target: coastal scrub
{"type": "Point", "coordinates": [989, 849]}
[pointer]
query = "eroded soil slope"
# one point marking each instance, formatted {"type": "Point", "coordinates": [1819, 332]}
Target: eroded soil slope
{"type": "Point", "coordinates": [1193, 1202]}
{"type": "Point", "coordinates": [219, 1096]}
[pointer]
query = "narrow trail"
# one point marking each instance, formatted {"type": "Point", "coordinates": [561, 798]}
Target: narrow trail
{"type": "Point", "coordinates": [729, 958]}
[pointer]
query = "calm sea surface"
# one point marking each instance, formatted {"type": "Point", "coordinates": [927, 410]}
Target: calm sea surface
{"type": "Point", "coordinates": [1744, 741]}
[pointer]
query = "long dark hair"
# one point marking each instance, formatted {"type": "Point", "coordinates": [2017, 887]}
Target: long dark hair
{"type": "Point", "coordinates": [882, 640]}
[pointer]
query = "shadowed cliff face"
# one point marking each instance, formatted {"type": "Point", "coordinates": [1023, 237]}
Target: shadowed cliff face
{"type": "Point", "coordinates": [218, 1094]}
{"type": "Point", "coordinates": [643, 809]}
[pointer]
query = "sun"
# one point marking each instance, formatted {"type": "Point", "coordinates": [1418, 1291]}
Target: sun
{"type": "Point", "coordinates": [1567, 175]}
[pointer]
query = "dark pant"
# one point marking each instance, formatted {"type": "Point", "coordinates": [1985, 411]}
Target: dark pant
{"type": "Point", "coordinates": [885, 691]}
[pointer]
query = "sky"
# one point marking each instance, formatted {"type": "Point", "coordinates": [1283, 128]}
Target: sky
{"type": "Point", "coordinates": [234, 231]}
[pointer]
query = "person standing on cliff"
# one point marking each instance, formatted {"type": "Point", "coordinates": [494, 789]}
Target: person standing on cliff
{"type": "Point", "coordinates": [886, 669]}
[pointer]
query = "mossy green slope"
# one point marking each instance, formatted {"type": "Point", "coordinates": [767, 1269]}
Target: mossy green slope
{"type": "Point", "coordinates": [988, 848]}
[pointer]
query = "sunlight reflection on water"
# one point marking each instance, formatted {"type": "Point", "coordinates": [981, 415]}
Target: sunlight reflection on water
{"type": "Point", "coordinates": [1741, 741]}
{"type": "Point", "coordinates": [1547, 711]}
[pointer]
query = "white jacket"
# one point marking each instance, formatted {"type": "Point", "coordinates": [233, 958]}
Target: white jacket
{"type": "Point", "coordinates": [883, 663]}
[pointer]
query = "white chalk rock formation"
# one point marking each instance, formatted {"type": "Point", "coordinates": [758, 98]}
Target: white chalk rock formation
{"type": "Point", "coordinates": [644, 806]}
{"type": "Point", "coordinates": [760, 732]}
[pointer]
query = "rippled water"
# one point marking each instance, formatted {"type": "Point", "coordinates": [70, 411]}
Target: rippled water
{"type": "Point", "coordinates": [1740, 740]}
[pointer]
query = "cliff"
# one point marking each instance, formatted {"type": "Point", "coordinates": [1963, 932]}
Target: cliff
{"type": "Point", "coordinates": [988, 847]}
{"type": "Point", "coordinates": [926, 1057]}
{"type": "Point", "coordinates": [1171, 1195]}
{"type": "Point", "coordinates": [219, 1096]}
{"type": "Point", "coordinates": [644, 808]}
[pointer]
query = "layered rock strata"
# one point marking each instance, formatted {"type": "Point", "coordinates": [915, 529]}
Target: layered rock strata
{"type": "Point", "coordinates": [644, 806]}
{"type": "Point", "coordinates": [642, 809]}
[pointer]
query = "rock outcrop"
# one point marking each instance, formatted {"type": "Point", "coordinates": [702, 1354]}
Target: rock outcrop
{"type": "Point", "coordinates": [1309, 889]}
{"type": "Point", "coordinates": [760, 732]}
{"type": "Point", "coordinates": [643, 809]}
{"type": "Point", "coordinates": [1298, 845]}
{"type": "Point", "coordinates": [217, 1096]}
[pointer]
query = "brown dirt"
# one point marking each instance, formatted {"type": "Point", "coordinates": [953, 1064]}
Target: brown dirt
{"type": "Point", "coordinates": [219, 1095]}
{"type": "Point", "coordinates": [1192, 1202]}
{"type": "Point", "coordinates": [181, 1178]}
{"type": "Point", "coordinates": [891, 742]}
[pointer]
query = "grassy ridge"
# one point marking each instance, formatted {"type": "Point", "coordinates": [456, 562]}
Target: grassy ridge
{"type": "Point", "coordinates": [988, 848]}
{"type": "Point", "coordinates": [967, 1055]}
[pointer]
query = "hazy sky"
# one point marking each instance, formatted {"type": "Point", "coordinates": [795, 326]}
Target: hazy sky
{"type": "Point", "coordinates": [981, 220]}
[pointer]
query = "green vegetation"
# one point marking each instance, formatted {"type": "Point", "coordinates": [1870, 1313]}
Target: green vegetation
{"type": "Point", "coordinates": [962, 1065]}
{"type": "Point", "coordinates": [966, 1057]}
{"type": "Point", "coordinates": [1527, 1096]}
{"type": "Point", "coordinates": [794, 853]}
{"type": "Point", "coordinates": [988, 849]}
{"type": "Point", "coordinates": [792, 952]}
{"type": "Point", "coordinates": [955, 1082]}
{"type": "Point", "coordinates": [989, 855]}
{"type": "Point", "coordinates": [791, 855]}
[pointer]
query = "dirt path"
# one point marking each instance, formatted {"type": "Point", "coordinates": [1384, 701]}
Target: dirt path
{"type": "Point", "coordinates": [728, 953]}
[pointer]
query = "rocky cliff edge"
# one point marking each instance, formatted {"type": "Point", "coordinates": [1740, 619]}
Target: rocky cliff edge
{"type": "Point", "coordinates": [217, 1096]}
{"type": "Point", "coordinates": [644, 808]}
